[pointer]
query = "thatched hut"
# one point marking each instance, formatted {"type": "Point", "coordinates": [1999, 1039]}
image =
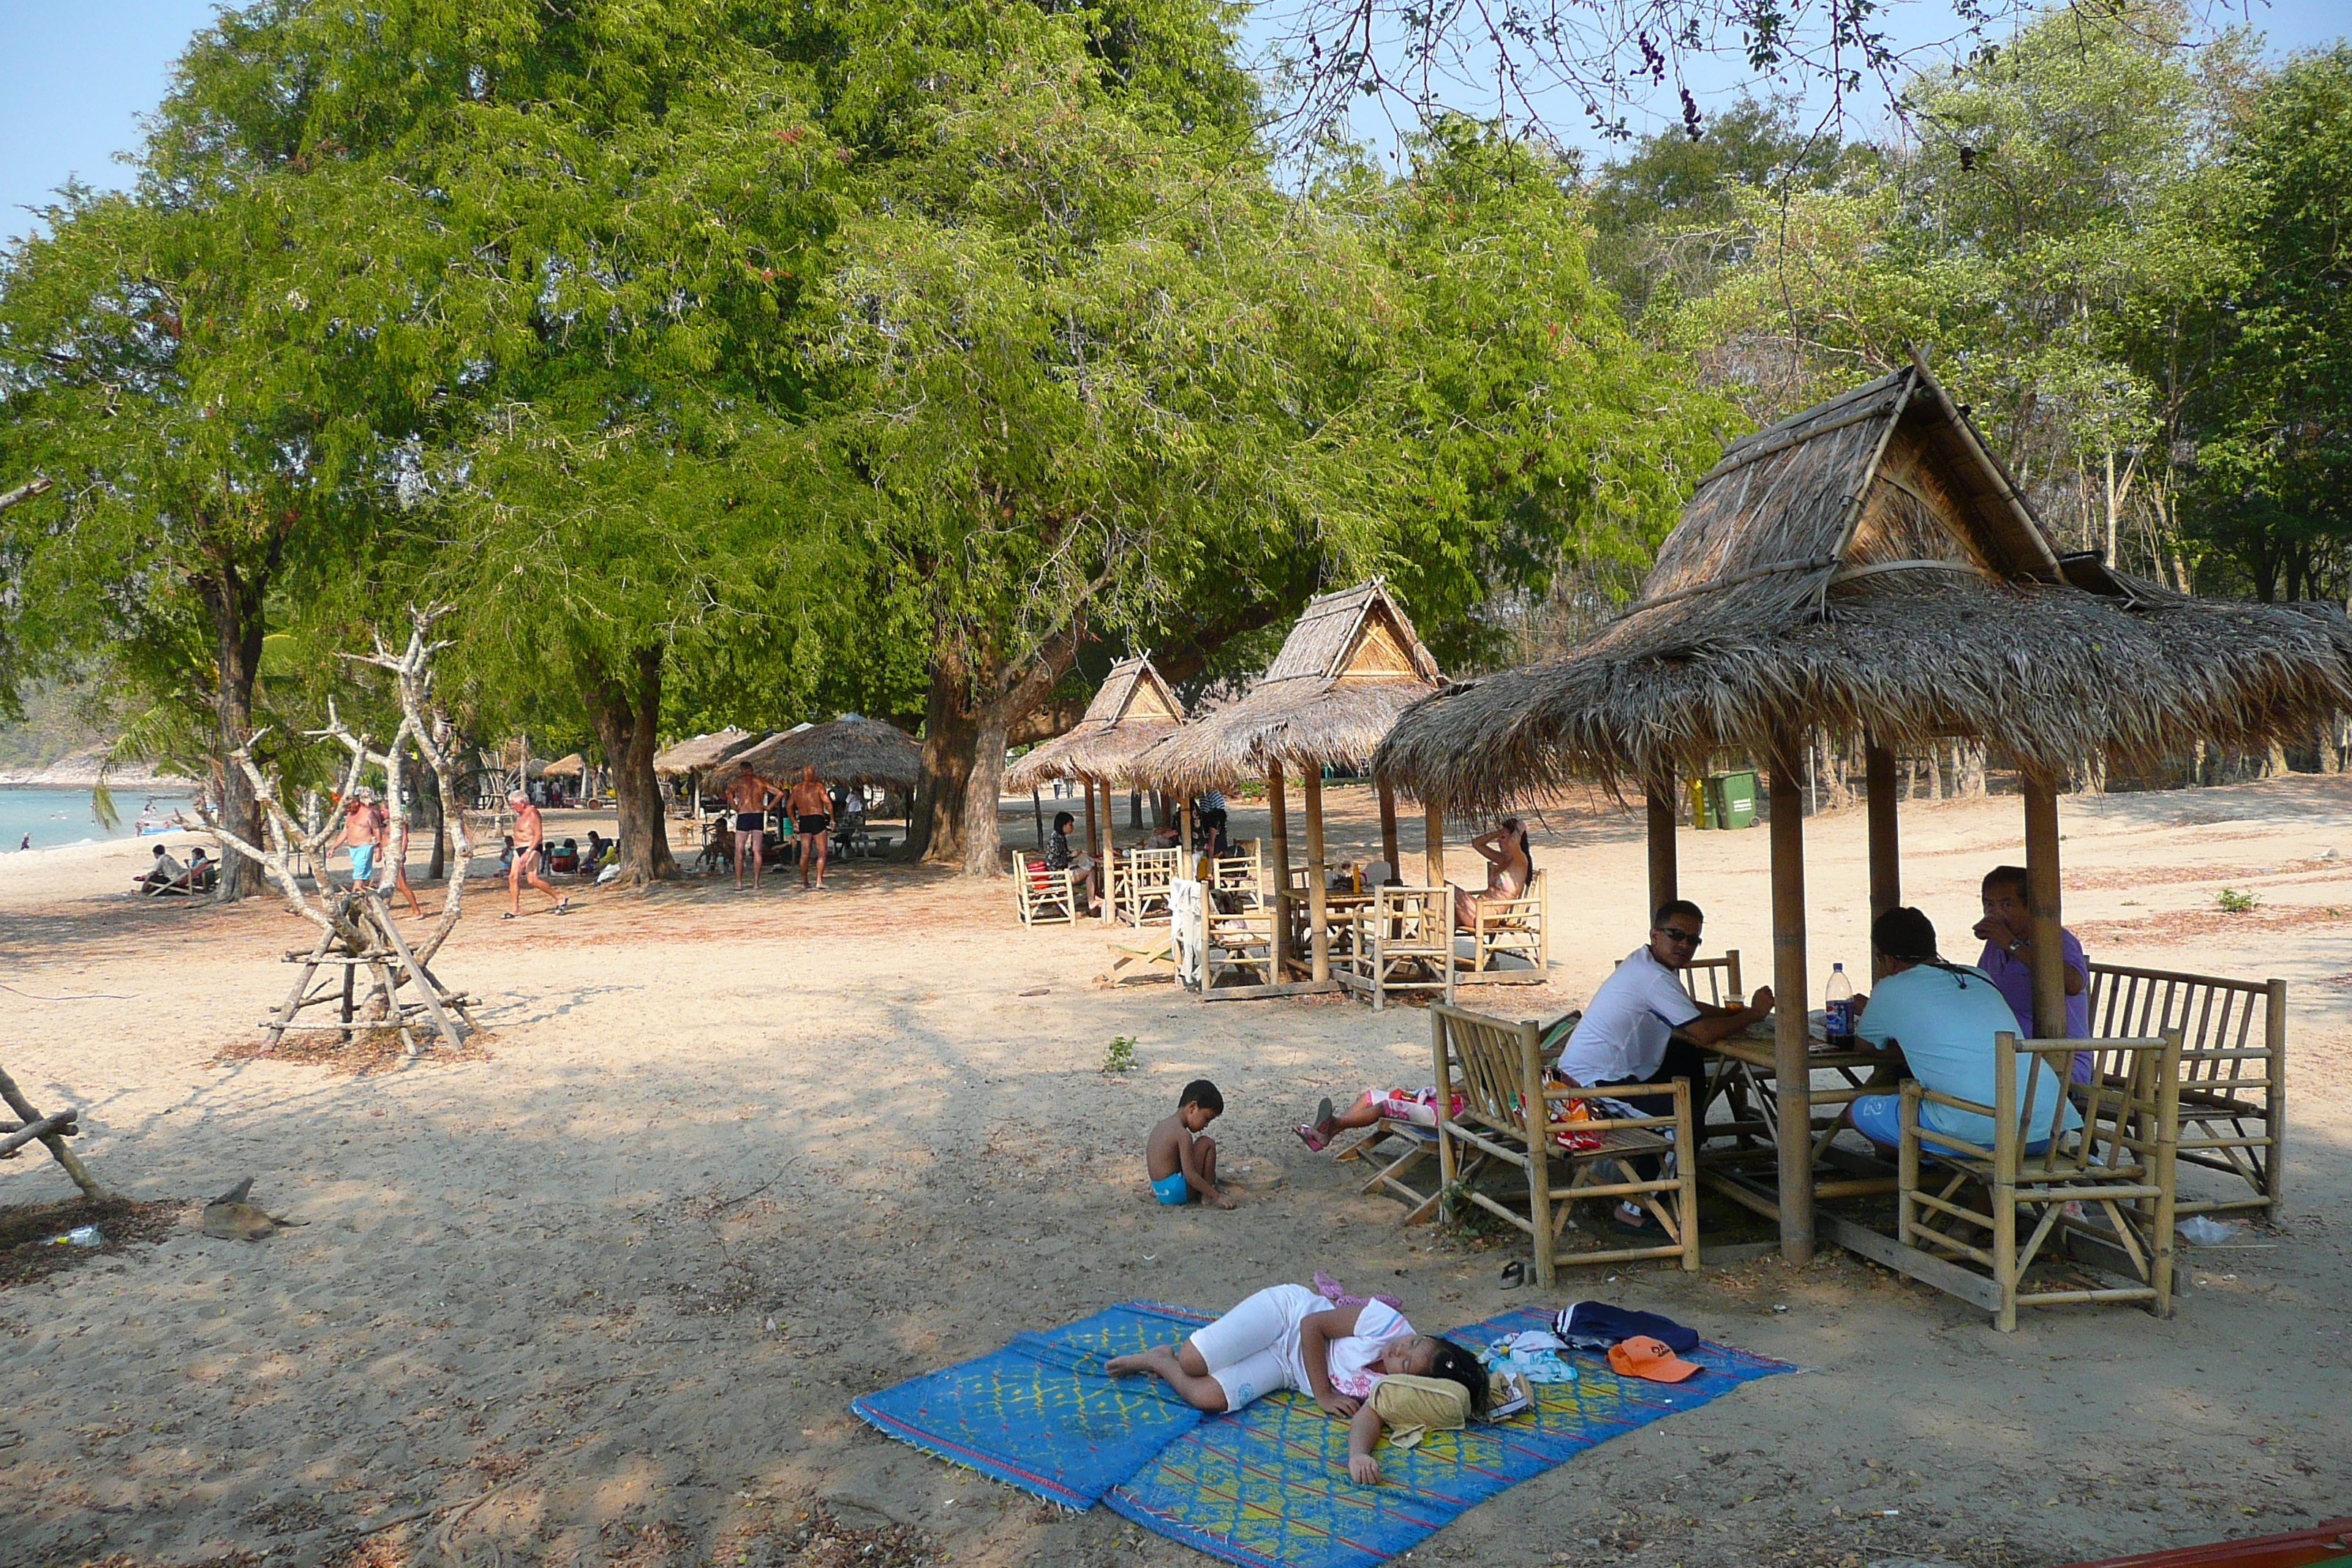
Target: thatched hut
{"type": "Point", "coordinates": [1134, 708]}
{"type": "Point", "coordinates": [701, 753]}
{"type": "Point", "coordinates": [851, 750]}
{"type": "Point", "coordinates": [1351, 663]}
{"type": "Point", "coordinates": [1868, 565]}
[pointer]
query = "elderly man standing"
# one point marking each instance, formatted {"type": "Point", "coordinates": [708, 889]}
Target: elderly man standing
{"type": "Point", "coordinates": [1642, 1027]}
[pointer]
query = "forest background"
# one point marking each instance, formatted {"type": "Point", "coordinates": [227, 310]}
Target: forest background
{"type": "Point", "coordinates": [725, 366]}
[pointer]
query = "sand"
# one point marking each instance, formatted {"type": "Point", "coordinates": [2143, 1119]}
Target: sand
{"type": "Point", "coordinates": [602, 1291]}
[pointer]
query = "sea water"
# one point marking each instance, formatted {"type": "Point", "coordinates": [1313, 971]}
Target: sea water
{"type": "Point", "coordinates": [55, 817]}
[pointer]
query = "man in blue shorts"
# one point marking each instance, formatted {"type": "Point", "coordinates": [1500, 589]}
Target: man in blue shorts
{"type": "Point", "coordinates": [1941, 1018]}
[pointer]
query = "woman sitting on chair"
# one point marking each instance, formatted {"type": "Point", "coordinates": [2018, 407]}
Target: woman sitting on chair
{"type": "Point", "coordinates": [1509, 869]}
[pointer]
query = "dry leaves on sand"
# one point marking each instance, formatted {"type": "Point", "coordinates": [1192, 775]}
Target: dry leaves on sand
{"type": "Point", "coordinates": [375, 1051]}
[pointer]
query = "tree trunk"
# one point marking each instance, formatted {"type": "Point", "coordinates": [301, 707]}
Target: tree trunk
{"type": "Point", "coordinates": [234, 602]}
{"type": "Point", "coordinates": [625, 707]}
{"type": "Point", "coordinates": [968, 722]}
{"type": "Point", "coordinates": [935, 825]}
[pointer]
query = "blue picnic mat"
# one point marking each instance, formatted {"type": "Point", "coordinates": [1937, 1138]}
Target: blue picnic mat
{"type": "Point", "coordinates": [1040, 1414]}
{"type": "Point", "coordinates": [1268, 1486]}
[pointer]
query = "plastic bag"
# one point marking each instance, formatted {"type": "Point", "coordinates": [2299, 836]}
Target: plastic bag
{"type": "Point", "coordinates": [2203, 1230]}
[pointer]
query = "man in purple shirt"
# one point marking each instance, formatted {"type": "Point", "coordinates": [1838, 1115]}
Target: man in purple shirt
{"type": "Point", "coordinates": [2008, 931]}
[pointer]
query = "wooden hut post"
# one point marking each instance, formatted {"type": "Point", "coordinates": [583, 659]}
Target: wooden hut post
{"type": "Point", "coordinates": [1433, 838]}
{"type": "Point", "coordinates": [1037, 812]}
{"type": "Point", "coordinates": [1791, 1036]}
{"type": "Point", "coordinates": [1094, 842]}
{"type": "Point", "coordinates": [1109, 849]}
{"type": "Point", "coordinates": [1389, 851]}
{"type": "Point", "coordinates": [1885, 857]}
{"type": "Point", "coordinates": [1278, 816]}
{"type": "Point", "coordinates": [2042, 897]}
{"type": "Point", "coordinates": [1663, 881]}
{"type": "Point", "coordinates": [1318, 935]}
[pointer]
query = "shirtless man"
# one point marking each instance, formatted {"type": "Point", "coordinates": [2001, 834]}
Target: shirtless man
{"type": "Point", "coordinates": [361, 832]}
{"type": "Point", "coordinates": [528, 831]}
{"type": "Point", "coordinates": [812, 809]}
{"type": "Point", "coordinates": [751, 796]}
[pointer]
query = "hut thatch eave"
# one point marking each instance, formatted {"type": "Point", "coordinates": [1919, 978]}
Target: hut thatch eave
{"type": "Point", "coordinates": [850, 749]}
{"type": "Point", "coordinates": [1092, 753]}
{"type": "Point", "coordinates": [1297, 724]}
{"type": "Point", "coordinates": [2052, 677]}
{"type": "Point", "coordinates": [701, 752]}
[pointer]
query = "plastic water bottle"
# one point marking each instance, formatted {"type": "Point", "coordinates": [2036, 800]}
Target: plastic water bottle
{"type": "Point", "coordinates": [1837, 1007]}
{"type": "Point", "coordinates": [79, 1235]}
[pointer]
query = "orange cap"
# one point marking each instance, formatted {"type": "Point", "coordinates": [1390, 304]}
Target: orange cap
{"type": "Point", "coordinates": [1644, 1357]}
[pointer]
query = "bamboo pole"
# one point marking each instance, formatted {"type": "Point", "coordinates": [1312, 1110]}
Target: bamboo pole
{"type": "Point", "coordinates": [1277, 815]}
{"type": "Point", "coordinates": [1663, 881]}
{"type": "Point", "coordinates": [1318, 935]}
{"type": "Point", "coordinates": [1886, 850]}
{"type": "Point", "coordinates": [1388, 829]}
{"type": "Point", "coordinates": [1792, 1040]}
{"type": "Point", "coordinates": [1103, 867]}
{"type": "Point", "coordinates": [2042, 897]}
{"type": "Point", "coordinates": [1434, 843]}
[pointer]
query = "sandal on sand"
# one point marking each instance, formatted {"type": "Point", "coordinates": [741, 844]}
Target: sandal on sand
{"type": "Point", "coordinates": [1515, 1274]}
{"type": "Point", "coordinates": [563, 906]}
{"type": "Point", "coordinates": [507, 916]}
{"type": "Point", "coordinates": [1312, 1139]}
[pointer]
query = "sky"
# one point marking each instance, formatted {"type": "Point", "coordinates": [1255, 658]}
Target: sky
{"type": "Point", "coordinates": [83, 71]}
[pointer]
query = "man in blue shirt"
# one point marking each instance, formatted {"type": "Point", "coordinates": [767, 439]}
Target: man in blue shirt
{"type": "Point", "coordinates": [1943, 1017]}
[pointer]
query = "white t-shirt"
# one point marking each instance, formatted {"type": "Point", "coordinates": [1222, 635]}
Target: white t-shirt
{"type": "Point", "coordinates": [1623, 1034]}
{"type": "Point", "coordinates": [1350, 1361]}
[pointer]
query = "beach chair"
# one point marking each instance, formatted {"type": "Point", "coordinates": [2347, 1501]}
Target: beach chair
{"type": "Point", "coordinates": [1236, 942]}
{"type": "Point", "coordinates": [1497, 1068]}
{"type": "Point", "coordinates": [2120, 1167]}
{"type": "Point", "coordinates": [1400, 941]}
{"type": "Point", "coordinates": [2232, 1068]}
{"type": "Point", "coordinates": [1044, 897]}
{"type": "Point", "coordinates": [1150, 953]}
{"type": "Point", "coordinates": [1508, 944]}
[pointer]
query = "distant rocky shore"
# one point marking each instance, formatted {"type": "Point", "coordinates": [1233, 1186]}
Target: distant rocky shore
{"type": "Point", "coordinates": [79, 770]}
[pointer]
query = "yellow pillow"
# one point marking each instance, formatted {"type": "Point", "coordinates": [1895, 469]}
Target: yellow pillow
{"type": "Point", "coordinates": [1413, 1406]}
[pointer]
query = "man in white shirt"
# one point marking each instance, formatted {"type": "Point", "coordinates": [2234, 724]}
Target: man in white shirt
{"type": "Point", "coordinates": [1642, 1026]}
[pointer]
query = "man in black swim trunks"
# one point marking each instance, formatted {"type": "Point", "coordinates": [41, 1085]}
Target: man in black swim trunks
{"type": "Point", "coordinates": [750, 795]}
{"type": "Point", "coordinates": [812, 809]}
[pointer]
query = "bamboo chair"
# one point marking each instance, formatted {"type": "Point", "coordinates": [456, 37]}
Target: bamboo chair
{"type": "Point", "coordinates": [1243, 871]}
{"type": "Point", "coordinates": [1509, 928]}
{"type": "Point", "coordinates": [2121, 1162]}
{"type": "Point", "coordinates": [2232, 1068]}
{"type": "Point", "coordinates": [1236, 946]}
{"type": "Point", "coordinates": [1139, 879]}
{"type": "Point", "coordinates": [1714, 981]}
{"type": "Point", "coordinates": [1044, 897]}
{"type": "Point", "coordinates": [1401, 941]}
{"type": "Point", "coordinates": [1499, 1075]}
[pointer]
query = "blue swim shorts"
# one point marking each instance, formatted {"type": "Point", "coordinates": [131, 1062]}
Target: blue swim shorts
{"type": "Point", "coordinates": [362, 862]}
{"type": "Point", "coordinates": [1172, 1189]}
{"type": "Point", "coordinates": [1879, 1118]}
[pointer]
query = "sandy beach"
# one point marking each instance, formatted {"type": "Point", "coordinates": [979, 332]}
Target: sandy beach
{"type": "Point", "coordinates": [601, 1289]}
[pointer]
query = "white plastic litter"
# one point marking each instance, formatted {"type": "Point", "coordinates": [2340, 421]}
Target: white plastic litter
{"type": "Point", "coordinates": [2203, 1230]}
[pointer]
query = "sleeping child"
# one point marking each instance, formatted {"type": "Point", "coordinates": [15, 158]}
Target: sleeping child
{"type": "Point", "coordinates": [1286, 1336]}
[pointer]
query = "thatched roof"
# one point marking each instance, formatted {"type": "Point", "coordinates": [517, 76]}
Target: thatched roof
{"type": "Point", "coordinates": [572, 764]}
{"type": "Point", "coordinates": [702, 751]}
{"type": "Point", "coordinates": [1351, 663]}
{"type": "Point", "coordinates": [851, 749]}
{"type": "Point", "coordinates": [1134, 708]}
{"type": "Point", "coordinates": [1868, 566]}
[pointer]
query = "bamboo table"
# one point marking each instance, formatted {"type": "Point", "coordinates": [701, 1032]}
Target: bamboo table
{"type": "Point", "coordinates": [1744, 1072]}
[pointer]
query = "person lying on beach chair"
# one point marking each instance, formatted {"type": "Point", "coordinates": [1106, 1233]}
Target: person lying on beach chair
{"type": "Point", "coordinates": [1288, 1336]}
{"type": "Point", "coordinates": [1416, 1106]}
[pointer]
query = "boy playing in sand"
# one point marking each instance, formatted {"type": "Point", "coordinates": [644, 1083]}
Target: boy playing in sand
{"type": "Point", "coordinates": [1179, 1160]}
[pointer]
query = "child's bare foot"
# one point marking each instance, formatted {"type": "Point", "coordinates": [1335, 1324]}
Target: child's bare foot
{"type": "Point", "coordinates": [1222, 1201]}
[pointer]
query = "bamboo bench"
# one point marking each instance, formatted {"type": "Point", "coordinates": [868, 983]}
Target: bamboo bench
{"type": "Point", "coordinates": [2233, 1067]}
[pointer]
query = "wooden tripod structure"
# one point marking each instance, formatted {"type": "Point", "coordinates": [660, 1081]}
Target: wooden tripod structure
{"type": "Point", "coordinates": [365, 936]}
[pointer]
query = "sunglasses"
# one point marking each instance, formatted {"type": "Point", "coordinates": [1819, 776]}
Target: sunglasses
{"type": "Point", "coordinates": [1673, 933]}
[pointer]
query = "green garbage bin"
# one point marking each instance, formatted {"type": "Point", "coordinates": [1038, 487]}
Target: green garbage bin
{"type": "Point", "coordinates": [1731, 797]}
